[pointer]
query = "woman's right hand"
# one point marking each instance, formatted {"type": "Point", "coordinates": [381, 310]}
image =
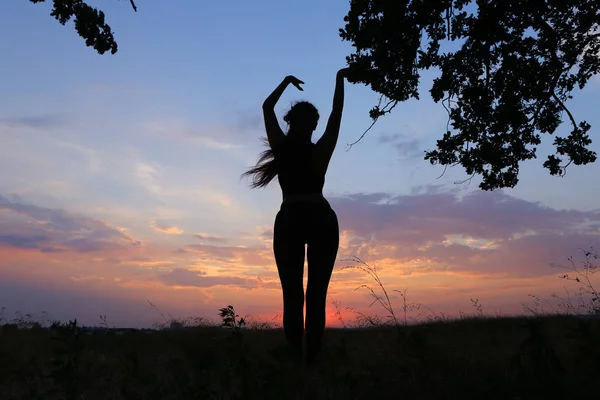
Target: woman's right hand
{"type": "Point", "coordinates": [347, 73]}
{"type": "Point", "coordinates": [294, 81]}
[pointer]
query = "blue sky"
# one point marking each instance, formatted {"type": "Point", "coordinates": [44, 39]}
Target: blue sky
{"type": "Point", "coordinates": [152, 141]}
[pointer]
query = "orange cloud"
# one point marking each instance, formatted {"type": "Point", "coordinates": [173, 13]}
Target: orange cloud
{"type": "Point", "coordinates": [169, 230]}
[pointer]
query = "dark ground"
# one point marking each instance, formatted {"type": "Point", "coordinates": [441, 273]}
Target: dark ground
{"type": "Point", "coordinates": [498, 358]}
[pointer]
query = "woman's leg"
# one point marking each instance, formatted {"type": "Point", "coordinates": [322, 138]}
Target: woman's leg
{"type": "Point", "coordinates": [323, 242]}
{"type": "Point", "coordinates": [289, 251]}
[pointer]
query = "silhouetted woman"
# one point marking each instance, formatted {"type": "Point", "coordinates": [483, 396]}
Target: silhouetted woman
{"type": "Point", "coordinates": [305, 216]}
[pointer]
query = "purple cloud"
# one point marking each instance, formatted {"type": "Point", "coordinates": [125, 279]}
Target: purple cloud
{"type": "Point", "coordinates": [485, 232]}
{"type": "Point", "coordinates": [406, 146]}
{"type": "Point", "coordinates": [184, 277]}
{"type": "Point", "coordinates": [53, 230]}
{"type": "Point", "coordinates": [421, 218]}
{"type": "Point", "coordinates": [210, 238]}
{"type": "Point", "coordinates": [23, 241]}
{"type": "Point", "coordinates": [35, 122]}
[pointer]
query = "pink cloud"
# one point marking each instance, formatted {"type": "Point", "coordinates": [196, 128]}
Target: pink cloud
{"type": "Point", "coordinates": [166, 229]}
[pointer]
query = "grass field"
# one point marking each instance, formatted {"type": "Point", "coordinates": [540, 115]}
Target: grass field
{"type": "Point", "coordinates": [471, 358]}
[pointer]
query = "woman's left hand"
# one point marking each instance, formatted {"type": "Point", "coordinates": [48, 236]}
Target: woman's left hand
{"type": "Point", "coordinates": [344, 72]}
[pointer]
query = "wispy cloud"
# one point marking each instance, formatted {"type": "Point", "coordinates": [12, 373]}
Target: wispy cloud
{"type": "Point", "coordinates": [93, 160]}
{"type": "Point", "coordinates": [167, 229]}
{"type": "Point", "coordinates": [112, 87]}
{"type": "Point", "coordinates": [146, 174]}
{"type": "Point", "coordinates": [233, 255]}
{"type": "Point", "coordinates": [213, 137]}
{"type": "Point", "coordinates": [385, 138]}
{"type": "Point", "coordinates": [407, 147]}
{"type": "Point", "coordinates": [185, 277]}
{"type": "Point", "coordinates": [249, 120]}
{"type": "Point", "coordinates": [210, 238]}
{"type": "Point", "coordinates": [34, 121]}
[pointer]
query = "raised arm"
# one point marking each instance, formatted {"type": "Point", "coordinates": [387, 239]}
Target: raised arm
{"type": "Point", "coordinates": [326, 144]}
{"type": "Point", "coordinates": [274, 132]}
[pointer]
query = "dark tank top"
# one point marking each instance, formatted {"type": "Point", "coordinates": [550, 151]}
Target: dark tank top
{"type": "Point", "coordinates": [297, 174]}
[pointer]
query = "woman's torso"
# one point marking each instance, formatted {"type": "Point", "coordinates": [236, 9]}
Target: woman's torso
{"type": "Point", "coordinates": [301, 177]}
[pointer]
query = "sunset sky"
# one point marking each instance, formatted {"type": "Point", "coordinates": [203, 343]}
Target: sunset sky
{"type": "Point", "coordinates": [120, 174]}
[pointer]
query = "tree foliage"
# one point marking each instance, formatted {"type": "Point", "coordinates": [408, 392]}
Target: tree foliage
{"type": "Point", "coordinates": [516, 66]}
{"type": "Point", "coordinates": [89, 23]}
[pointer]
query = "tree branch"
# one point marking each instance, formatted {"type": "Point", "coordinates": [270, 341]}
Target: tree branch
{"type": "Point", "coordinates": [383, 111]}
{"type": "Point", "coordinates": [564, 169]}
{"type": "Point", "coordinates": [361, 136]}
{"type": "Point", "coordinates": [443, 172]}
{"type": "Point", "coordinates": [466, 180]}
{"type": "Point", "coordinates": [566, 109]}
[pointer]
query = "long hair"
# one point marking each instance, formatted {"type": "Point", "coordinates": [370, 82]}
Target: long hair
{"type": "Point", "coordinates": [266, 168]}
